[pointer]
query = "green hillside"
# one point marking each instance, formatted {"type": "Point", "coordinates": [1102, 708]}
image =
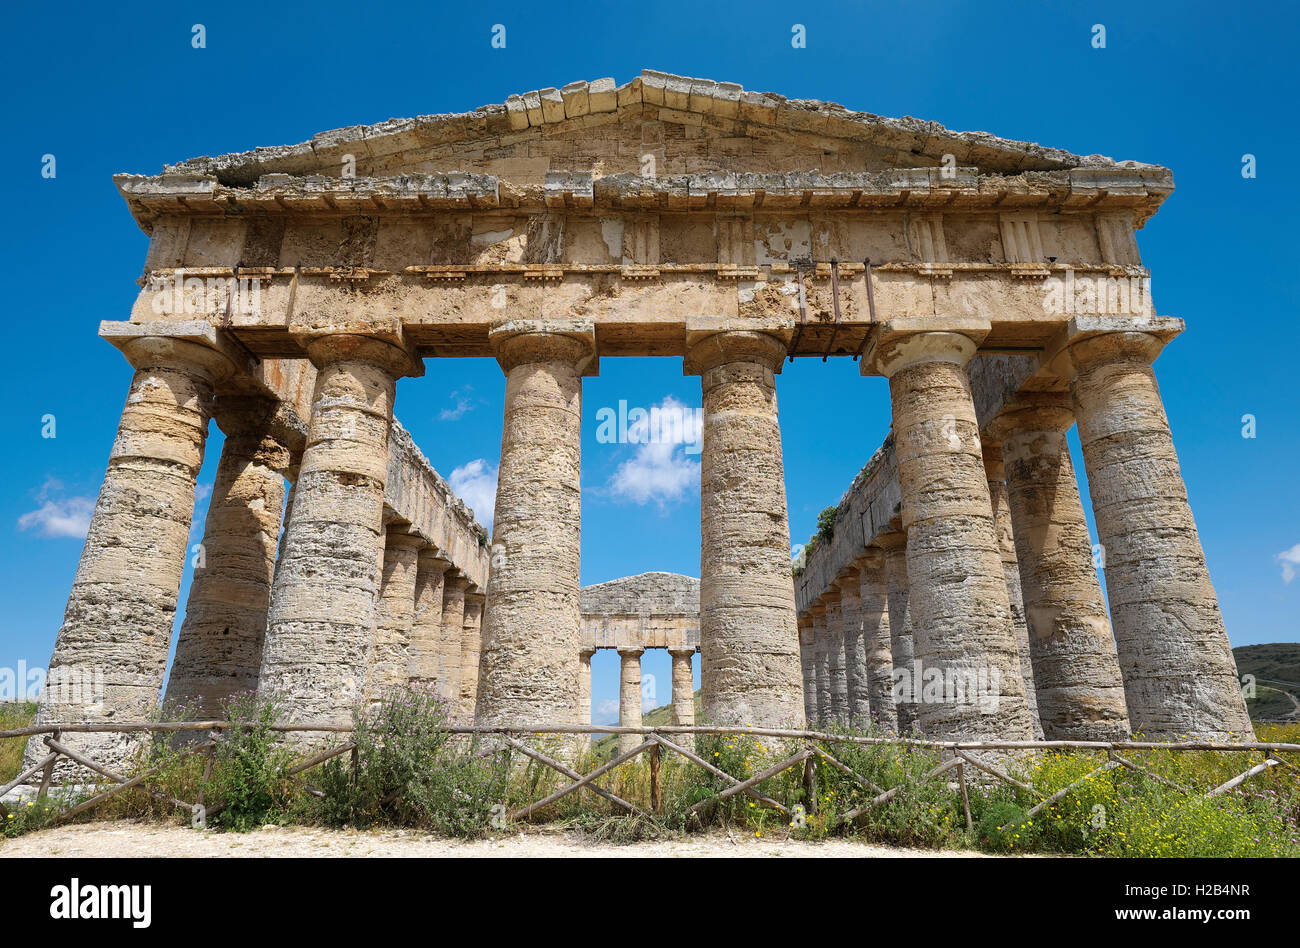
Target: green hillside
{"type": "Point", "coordinates": [656, 717]}
{"type": "Point", "coordinates": [1276, 668]}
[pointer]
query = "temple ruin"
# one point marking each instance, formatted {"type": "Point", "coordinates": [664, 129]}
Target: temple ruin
{"type": "Point", "coordinates": [996, 284]}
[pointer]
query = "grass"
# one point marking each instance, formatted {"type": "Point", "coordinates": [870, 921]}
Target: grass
{"type": "Point", "coordinates": [14, 715]}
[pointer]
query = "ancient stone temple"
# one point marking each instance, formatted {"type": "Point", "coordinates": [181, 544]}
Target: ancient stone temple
{"type": "Point", "coordinates": [996, 285]}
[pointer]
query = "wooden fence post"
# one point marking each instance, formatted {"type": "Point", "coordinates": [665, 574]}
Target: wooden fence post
{"type": "Point", "coordinates": [656, 793]}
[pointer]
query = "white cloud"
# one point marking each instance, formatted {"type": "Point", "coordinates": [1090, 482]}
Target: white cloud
{"type": "Point", "coordinates": [476, 484]}
{"type": "Point", "coordinates": [58, 516]}
{"type": "Point", "coordinates": [202, 492]}
{"type": "Point", "coordinates": [661, 470]}
{"type": "Point", "coordinates": [1289, 559]}
{"type": "Point", "coordinates": [606, 711]}
{"type": "Point", "coordinates": [463, 404]}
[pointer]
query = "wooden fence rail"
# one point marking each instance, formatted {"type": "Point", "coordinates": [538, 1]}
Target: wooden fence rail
{"type": "Point", "coordinates": [959, 755]}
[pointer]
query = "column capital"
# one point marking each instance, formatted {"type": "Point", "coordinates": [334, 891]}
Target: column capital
{"type": "Point", "coordinates": [475, 599]}
{"type": "Point", "coordinates": [909, 340]}
{"type": "Point", "coordinates": [586, 653]}
{"type": "Point", "coordinates": [455, 579]}
{"type": "Point", "coordinates": [709, 348]}
{"type": "Point", "coordinates": [872, 559]}
{"type": "Point", "coordinates": [384, 351]}
{"type": "Point", "coordinates": [1032, 411]}
{"type": "Point", "coordinates": [892, 540]}
{"type": "Point", "coordinates": [680, 652]}
{"type": "Point", "coordinates": [186, 344]}
{"type": "Point", "coordinates": [432, 558]}
{"type": "Point", "coordinates": [1089, 340]}
{"type": "Point", "coordinates": [517, 342]}
{"type": "Point", "coordinates": [400, 535]}
{"type": "Point", "coordinates": [847, 578]}
{"type": "Point", "coordinates": [630, 651]}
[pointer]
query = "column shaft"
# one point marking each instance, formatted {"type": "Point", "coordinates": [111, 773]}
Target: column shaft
{"type": "Point", "coordinates": [451, 641]}
{"type": "Point", "coordinates": [900, 631]}
{"type": "Point", "coordinates": [960, 609]}
{"type": "Point", "coordinates": [994, 471]}
{"type": "Point", "coordinates": [873, 594]}
{"type": "Point", "coordinates": [857, 694]}
{"type": "Point", "coordinates": [322, 614]}
{"type": "Point", "coordinates": [683, 695]}
{"type": "Point", "coordinates": [425, 654]}
{"type": "Point", "coordinates": [836, 673]}
{"type": "Point", "coordinates": [471, 652]}
{"type": "Point", "coordinates": [1180, 677]}
{"type": "Point", "coordinates": [808, 665]}
{"type": "Point", "coordinates": [821, 662]}
{"type": "Point", "coordinates": [748, 645]}
{"type": "Point", "coordinates": [629, 697]}
{"type": "Point", "coordinates": [219, 648]}
{"type": "Point", "coordinates": [111, 651]}
{"type": "Point", "coordinates": [389, 662]}
{"type": "Point", "coordinates": [532, 632]}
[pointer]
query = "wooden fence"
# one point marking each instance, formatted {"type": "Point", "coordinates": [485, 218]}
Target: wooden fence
{"type": "Point", "coordinates": [955, 756]}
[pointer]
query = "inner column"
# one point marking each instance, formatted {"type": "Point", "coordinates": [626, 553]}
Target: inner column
{"type": "Point", "coordinates": [629, 696]}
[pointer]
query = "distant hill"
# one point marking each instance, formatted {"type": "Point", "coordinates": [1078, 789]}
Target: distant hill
{"type": "Point", "coordinates": [662, 715]}
{"type": "Point", "coordinates": [1276, 668]}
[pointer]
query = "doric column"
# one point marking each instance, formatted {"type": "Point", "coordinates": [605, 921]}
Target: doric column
{"type": "Point", "coordinates": [531, 634]}
{"type": "Point", "coordinates": [471, 651]}
{"type": "Point", "coordinates": [961, 616]}
{"type": "Point", "coordinates": [111, 651]}
{"type": "Point", "coordinates": [426, 626]}
{"type": "Point", "coordinates": [994, 471]}
{"type": "Point", "coordinates": [857, 696]}
{"type": "Point", "coordinates": [1180, 677]}
{"type": "Point", "coordinates": [836, 674]}
{"type": "Point", "coordinates": [629, 696]}
{"type": "Point", "coordinates": [877, 641]}
{"type": "Point", "coordinates": [583, 712]}
{"type": "Point", "coordinates": [219, 648]}
{"type": "Point", "coordinates": [749, 651]}
{"type": "Point", "coordinates": [389, 663]}
{"type": "Point", "coordinates": [1076, 672]}
{"type": "Point", "coordinates": [291, 475]}
{"type": "Point", "coordinates": [683, 694]}
{"type": "Point", "coordinates": [894, 545]}
{"type": "Point", "coordinates": [323, 603]}
{"type": "Point", "coordinates": [808, 665]}
{"type": "Point", "coordinates": [451, 642]}
{"type": "Point", "coordinates": [821, 662]}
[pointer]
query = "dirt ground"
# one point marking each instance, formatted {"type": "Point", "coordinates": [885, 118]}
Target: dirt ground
{"type": "Point", "coordinates": [130, 839]}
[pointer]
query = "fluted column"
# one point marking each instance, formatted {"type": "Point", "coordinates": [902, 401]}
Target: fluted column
{"type": "Point", "coordinates": [749, 650]}
{"type": "Point", "coordinates": [877, 641]}
{"type": "Point", "coordinates": [683, 694]}
{"type": "Point", "coordinates": [219, 647]}
{"type": "Point", "coordinates": [857, 695]}
{"type": "Point", "coordinates": [111, 651]}
{"type": "Point", "coordinates": [1076, 671]}
{"type": "Point", "coordinates": [583, 712]}
{"type": "Point", "coordinates": [994, 471]}
{"type": "Point", "coordinates": [424, 668]}
{"type": "Point", "coordinates": [836, 673]}
{"type": "Point", "coordinates": [531, 635]}
{"type": "Point", "coordinates": [1180, 677]}
{"type": "Point", "coordinates": [471, 649]}
{"type": "Point", "coordinates": [808, 665]}
{"type": "Point", "coordinates": [389, 663]}
{"type": "Point", "coordinates": [451, 642]}
{"type": "Point", "coordinates": [322, 614]}
{"type": "Point", "coordinates": [902, 652]}
{"type": "Point", "coordinates": [960, 609]}
{"type": "Point", "coordinates": [629, 696]}
{"type": "Point", "coordinates": [821, 662]}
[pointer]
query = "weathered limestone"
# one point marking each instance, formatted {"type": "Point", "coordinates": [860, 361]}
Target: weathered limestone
{"type": "Point", "coordinates": [629, 696]}
{"type": "Point", "coordinates": [836, 674]}
{"type": "Point", "coordinates": [877, 639]}
{"type": "Point", "coordinates": [857, 695]}
{"type": "Point", "coordinates": [683, 694]}
{"type": "Point", "coordinates": [584, 686]}
{"type": "Point", "coordinates": [471, 649]}
{"type": "Point", "coordinates": [389, 661]}
{"type": "Point", "coordinates": [993, 470]}
{"type": "Point", "coordinates": [821, 663]}
{"type": "Point", "coordinates": [748, 643]}
{"type": "Point", "coordinates": [894, 545]}
{"type": "Point", "coordinates": [1076, 672]}
{"type": "Point", "coordinates": [959, 603]}
{"type": "Point", "coordinates": [653, 610]}
{"type": "Point", "coordinates": [808, 665]}
{"type": "Point", "coordinates": [451, 644]}
{"type": "Point", "coordinates": [112, 648]}
{"type": "Point", "coordinates": [323, 604]}
{"type": "Point", "coordinates": [529, 669]}
{"type": "Point", "coordinates": [219, 647]}
{"type": "Point", "coordinates": [1180, 677]}
{"type": "Point", "coordinates": [425, 653]}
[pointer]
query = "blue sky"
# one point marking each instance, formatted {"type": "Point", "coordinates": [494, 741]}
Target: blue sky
{"type": "Point", "coordinates": [1186, 85]}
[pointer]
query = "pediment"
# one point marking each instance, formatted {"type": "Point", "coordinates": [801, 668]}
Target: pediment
{"type": "Point", "coordinates": [657, 125]}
